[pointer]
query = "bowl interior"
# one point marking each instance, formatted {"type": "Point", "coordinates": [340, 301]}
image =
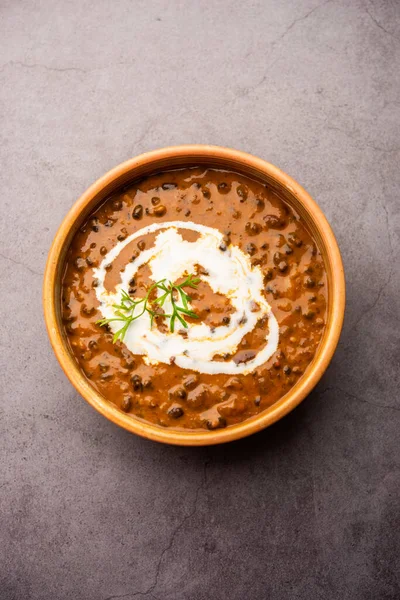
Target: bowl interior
{"type": "Point", "coordinates": [175, 158]}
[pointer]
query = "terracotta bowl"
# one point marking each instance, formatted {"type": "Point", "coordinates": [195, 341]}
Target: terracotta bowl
{"type": "Point", "coordinates": [171, 158]}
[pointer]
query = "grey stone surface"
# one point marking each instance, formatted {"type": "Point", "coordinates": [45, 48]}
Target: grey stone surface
{"type": "Point", "coordinates": [308, 509]}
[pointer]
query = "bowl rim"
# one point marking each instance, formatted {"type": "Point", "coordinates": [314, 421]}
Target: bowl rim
{"type": "Point", "coordinates": [277, 410]}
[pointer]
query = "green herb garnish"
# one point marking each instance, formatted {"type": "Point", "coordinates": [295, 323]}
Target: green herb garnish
{"type": "Point", "coordinates": [125, 312]}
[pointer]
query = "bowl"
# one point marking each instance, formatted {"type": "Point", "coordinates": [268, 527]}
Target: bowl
{"type": "Point", "coordinates": [172, 158]}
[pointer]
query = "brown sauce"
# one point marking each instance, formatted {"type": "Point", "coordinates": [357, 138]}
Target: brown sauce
{"type": "Point", "coordinates": [252, 217]}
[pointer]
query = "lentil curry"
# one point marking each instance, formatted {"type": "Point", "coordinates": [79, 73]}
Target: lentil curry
{"type": "Point", "coordinates": [248, 325]}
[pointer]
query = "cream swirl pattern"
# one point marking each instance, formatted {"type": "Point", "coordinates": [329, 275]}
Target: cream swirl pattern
{"type": "Point", "coordinates": [229, 273]}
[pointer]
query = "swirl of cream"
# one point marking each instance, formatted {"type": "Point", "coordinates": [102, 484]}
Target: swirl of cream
{"type": "Point", "coordinates": [229, 273]}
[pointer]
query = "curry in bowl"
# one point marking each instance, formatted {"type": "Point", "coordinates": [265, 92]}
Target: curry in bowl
{"type": "Point", "coordinates": [194, 298]}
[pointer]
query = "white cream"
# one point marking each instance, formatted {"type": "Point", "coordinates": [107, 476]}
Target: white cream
{"type": "Point", "coordinates": [229, 273]}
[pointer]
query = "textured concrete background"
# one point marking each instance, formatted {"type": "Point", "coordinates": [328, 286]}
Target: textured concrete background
{"type": "Point", "coordinates": [306, 510]}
